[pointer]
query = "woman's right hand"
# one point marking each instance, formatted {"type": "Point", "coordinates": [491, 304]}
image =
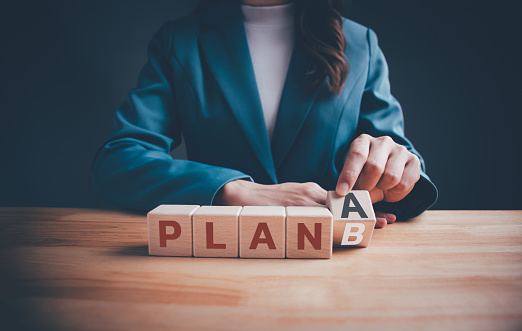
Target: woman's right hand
{"type": "Point", "coordinates": [246, 193]}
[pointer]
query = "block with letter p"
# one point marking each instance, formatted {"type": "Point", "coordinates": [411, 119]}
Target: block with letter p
{"type": "Point", "coordinates": [354, 218]}
{"type": "Point", "coordinates": [170, 230]}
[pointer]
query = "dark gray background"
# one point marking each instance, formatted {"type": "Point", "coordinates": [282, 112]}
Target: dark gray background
{"type": "Point", "coordinates": [65, 66]}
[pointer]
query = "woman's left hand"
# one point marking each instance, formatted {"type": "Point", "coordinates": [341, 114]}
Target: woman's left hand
{"type": "Point", "coordinates": [387, 170]}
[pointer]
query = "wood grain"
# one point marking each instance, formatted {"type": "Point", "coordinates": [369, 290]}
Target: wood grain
{"type": "Point", "coordinates": [81, 269]}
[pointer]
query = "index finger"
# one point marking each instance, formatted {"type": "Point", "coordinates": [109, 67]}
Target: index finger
{"type": "Point", "coordinates": [355, 161]}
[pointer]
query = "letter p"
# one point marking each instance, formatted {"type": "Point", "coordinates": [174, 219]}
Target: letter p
{"type": "Point", "coordinates": [163, 236]}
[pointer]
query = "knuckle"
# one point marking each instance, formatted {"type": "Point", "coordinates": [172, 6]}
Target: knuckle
{"type": "Point", "coordinates": [386, 139]}
{"type": "Point", "coordinates": [402, 186]}
{"type": "Point", "coordinates": [403, 149]}
{"type": "Point", "coordinates": [415, 159]}
{"type": "Point", "coordinates": [391, 177]}
{"type": "Point", "coordinates": [358, 153]}
{"type": "Point", "coordinates": [373, 167]}
{"type": "Point", "coordinates": [310, 187]}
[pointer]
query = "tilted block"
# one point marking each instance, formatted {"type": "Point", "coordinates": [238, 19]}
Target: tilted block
{"type": "Point", "coordinates": [262, 232]}
{"type": "Point", "coordinates": [308, 233]}
{"type": "Point", "coordinates": [216, 231]}
{"type": "Point", "coordinates": [354, 218]}
{"type": "Point", "coordinates": [170, 230]}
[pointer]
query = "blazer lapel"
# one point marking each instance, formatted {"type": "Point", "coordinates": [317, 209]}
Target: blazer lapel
{"type": "Point", "coordinates": [294, 106]}
{"type": "Point", "coordinates": [225, 48]}
{"type": "Point", "coordinates": [297, 101]}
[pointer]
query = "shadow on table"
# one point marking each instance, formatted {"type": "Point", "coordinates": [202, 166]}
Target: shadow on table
{"type": "Point", "coordinates": [141, 250]}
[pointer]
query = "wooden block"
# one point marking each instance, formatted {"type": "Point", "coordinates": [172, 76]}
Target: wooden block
{"type": "Point", "coordinates": [308, 233]}
{"type": "Point", "coordinates": [170, 230]}
{"type": "Point", "coordinates": [262, 232]}
{"type": "Point", "coordinates": [354, 218]}
{"type": "Point", "coordinates": [216, 231]}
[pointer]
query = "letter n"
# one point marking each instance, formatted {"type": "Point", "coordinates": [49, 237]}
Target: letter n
{"type": "Point", "coordinates": [315, 240]}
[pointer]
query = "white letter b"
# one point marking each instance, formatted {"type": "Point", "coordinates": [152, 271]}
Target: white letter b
{"type": "Point", "coordinates": [348, 233]}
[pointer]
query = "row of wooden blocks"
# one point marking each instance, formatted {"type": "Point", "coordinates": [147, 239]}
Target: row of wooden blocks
{"type": "Point", "coordinates": [262, 231]}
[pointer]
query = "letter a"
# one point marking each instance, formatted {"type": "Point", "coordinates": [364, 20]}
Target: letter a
{"type": "Point", "coordinates": [348, 233]}
{"type": "Point", "coordinates": [356, 207]}
{"type": "Point", "coordinates": [262, 228]}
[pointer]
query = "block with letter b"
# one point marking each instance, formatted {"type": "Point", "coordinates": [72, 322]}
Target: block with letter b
{"type": "Point", "coordinates": [354, 218]}
{"type": "Point", "coordinates": [308, 233]}
{"type": "Point", "coordinates": [216, 231]}
{"type": "Point", "coordinates": [170, 230]}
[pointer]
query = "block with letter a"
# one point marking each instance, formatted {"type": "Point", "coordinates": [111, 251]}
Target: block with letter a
{"type": "Point", "coordinates": [170, 230]}
{"type": "Point", "coordinates": [308, 233]}
{"type": "Point", "coordinates": [262, 232]}
{"type": "Point", "coordinates": [216, 231]}
{"type": "Point", "coordinates": [354, 218]}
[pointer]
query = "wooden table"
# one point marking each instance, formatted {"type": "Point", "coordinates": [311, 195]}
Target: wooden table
{"type": "Point", "coordinates": [80, 269]}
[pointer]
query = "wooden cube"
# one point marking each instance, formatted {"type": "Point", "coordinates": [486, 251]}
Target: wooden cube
{"type": "Point", "coordinates": [354, 218]}
{"type": "Point", "coordinates": [262, 232]}
{"type": "Point", "coordinates": [216, 231]}
{"type": "Point", "coordinates": [308, 233]}
{"type": "Point", "coordinates": [170, 230]}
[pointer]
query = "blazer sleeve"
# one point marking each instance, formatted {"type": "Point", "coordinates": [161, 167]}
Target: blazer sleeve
{"type": "Point", "coordinates": [381, 115]}
{"type": "Point", "coordinates": [134, 168]}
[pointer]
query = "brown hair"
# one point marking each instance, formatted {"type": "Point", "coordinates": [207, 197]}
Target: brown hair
{"type": "Point", "coordinates": [319, 31]}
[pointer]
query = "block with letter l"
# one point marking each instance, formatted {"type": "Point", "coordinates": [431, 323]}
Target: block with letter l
{"type": "Point", "coordinates": [170, 230]}
{"type": "Point", "coordinates": [216, 231]}
{"type": "Point", "coordinates": [354, 218]}
{"type": "Point", "coordinates": [308, 233]}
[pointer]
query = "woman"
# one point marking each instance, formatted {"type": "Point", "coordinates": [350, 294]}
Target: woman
{"type": "Point", "coordinates": [277, 101]}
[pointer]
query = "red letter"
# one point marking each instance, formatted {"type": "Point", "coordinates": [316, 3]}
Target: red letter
{"type": "Point", "coordinates": [210, 238]}
{"type": "Point", "coordinates": [262, 227]}
{"type": "Point", "coordinates": [163, 236]}
{"type": "Point", "coordinates": [302, 231]}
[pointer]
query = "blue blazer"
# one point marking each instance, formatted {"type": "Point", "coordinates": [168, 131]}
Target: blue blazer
{"type": "Point", "coordinates": [199, 84]}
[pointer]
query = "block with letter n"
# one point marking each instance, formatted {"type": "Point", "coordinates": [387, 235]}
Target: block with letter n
{"type": "Point", "coordinates": [353, 218]}
{"type": "Point", "coordinates": [308, 233]}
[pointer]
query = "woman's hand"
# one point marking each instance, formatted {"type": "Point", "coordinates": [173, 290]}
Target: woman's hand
{"type": "Point", "coordinates": [387, 170]}
{"type": "Point", "coordinates": [246, 193]}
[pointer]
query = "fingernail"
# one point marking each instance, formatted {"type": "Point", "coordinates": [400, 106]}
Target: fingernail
{"type": "Point", "coordinates": [342, 189]}
{"type": "Point", "coordinates": [380, 222]}
{"type": "Point", "coordinates": [390, 217]}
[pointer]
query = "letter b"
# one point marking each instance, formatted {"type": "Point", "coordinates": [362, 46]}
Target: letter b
{"type": "Point", "coordinates": [357, 234]}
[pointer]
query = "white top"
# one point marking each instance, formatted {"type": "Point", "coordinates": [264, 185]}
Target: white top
{"type": "Point", "coordinates": [271, 37]}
